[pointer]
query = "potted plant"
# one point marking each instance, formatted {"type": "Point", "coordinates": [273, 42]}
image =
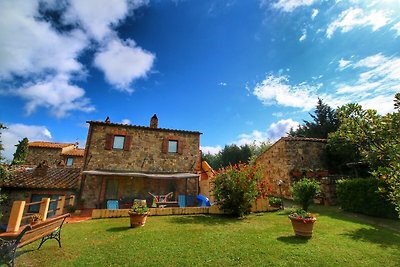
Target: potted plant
{"type": "Point", "coordinates": [304, 192]}
{"type": "Point", "coordinates": [302, 222]}
{"type": "Point", "coordinates": [138, 213]}
{"type": "Point", "coordinates": [35, 218]}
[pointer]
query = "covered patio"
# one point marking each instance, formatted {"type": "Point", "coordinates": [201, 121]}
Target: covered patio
{"type": "Point", "coordinates": [120, 188]}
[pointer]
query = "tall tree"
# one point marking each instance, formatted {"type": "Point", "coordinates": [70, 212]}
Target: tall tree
{"type": "Point", "coordinates": [21, 152]}
{"type": "Point", "coordinates": [377, 140]}
{"type": "Point", "coordinates": [324, 122]}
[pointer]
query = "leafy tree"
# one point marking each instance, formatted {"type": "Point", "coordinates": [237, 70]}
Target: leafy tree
{"type": "Point", "coordinates": [324, 122]}
{"type": "Point", "coordinates": [376, 138]}
{"type": "Point", "coordinates": [233, 154]}
{"type": "Point", "coordinates": [21, 152]}
{"type": "Point", "coordinates": [213, 160]}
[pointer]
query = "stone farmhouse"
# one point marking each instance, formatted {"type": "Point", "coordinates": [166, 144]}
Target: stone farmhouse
{"type": "Point", "coordinates": [123, 162]}
{"type": "Point", "coordinates": [288, 156]}
{"type": "Point", "coordinates": [54, 154]}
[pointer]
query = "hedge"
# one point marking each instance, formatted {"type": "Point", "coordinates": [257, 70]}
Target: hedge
{"type": "Point", "coordinates": [362, 195]}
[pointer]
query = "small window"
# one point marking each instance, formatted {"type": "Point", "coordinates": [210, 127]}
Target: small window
{"type": "Point", "coordinates": [118, 142]}
{"type": "Point", "coordinates": [70, 161]}
{"type": "Point", "coordinates": [172, 146]}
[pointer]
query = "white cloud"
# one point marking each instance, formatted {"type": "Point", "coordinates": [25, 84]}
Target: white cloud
{"type": "Point", "coordinates": [303, 36]}
{"type": "Point", "coordinates": [343, 64]}
{"type": "Point", "coordinates": [377, 80]}
{"type": "Point", "coordinates": [56, 94]}
{"type": "Point", "coordinates": [31, 46]}
{"type": "Point", "coordinates": [396, 28]}
{"type": "Point", "coordinates": [126, 121]}
{"type": "Point", "coordinates": [223, 84]}
{"type": "Point", "coordinates": [290, 5]}
{"type": "Point", "coordinates": [354, 17]}
{"type": "Point", "coordinates": [314, 13]}
{"type": "Point", "coordinates": [34, 51]}
{"type": "Point", "coordinates": [280, 128]}
{"type": "Point", "coordinates": [277, 90]}
{"type": "Point", "coordinates": [213, 150]}
{"type": "Point", "coordinates": [123, 62]}
{"type": "Point", "coordinates": [16, 132]}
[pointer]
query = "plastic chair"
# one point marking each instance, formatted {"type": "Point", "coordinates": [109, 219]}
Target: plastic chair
{"type": "Point", "coordinates": [112, 204]}
{"type": "Point", "coordinates": [182, 201]}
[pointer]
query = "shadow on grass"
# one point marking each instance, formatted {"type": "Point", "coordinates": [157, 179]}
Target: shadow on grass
{"type": "Point", "coordinates": [118, 229]}
{"type": "Point", "coordinates": [375, 236]}
{"type": "Point", "coordinates": [209, 220]}
{"type": "Point", "coordinates": [293, 239]}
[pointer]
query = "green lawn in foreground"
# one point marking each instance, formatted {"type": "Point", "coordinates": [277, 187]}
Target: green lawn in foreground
{"type": "Point", "coordinates": [264, 239]}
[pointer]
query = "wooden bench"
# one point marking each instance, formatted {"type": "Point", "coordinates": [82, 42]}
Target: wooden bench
{"type": "Point", "coordinates": [10, 241]}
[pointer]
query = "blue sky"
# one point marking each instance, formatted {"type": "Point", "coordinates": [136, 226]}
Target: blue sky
{"type": "Point", "coordinates": [237, 71]}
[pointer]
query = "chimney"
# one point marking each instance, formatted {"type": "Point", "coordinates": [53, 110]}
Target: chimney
{"type": "Point", "coordinates": [154, 122]}
{"type": "Point", "coordinates": [41, 169]}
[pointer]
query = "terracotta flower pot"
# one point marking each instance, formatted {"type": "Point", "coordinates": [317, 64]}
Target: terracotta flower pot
{"type": "Point", "coordinates": [137, 220]}
{"type": "Point", "coordinates": [303, 228]}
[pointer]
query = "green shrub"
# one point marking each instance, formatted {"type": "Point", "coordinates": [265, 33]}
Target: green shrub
{"type": "Point", "coordinates": [304, 192]}
{"type": "Point", "coordinates": [363, 195]}
{"type": "Point", "coordinates": [275, 201]}
{"type": "Point", "coordinates": [237, 187]}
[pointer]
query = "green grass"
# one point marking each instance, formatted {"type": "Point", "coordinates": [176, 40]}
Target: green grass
{"type": "Point", "coordinates": [266, 239]}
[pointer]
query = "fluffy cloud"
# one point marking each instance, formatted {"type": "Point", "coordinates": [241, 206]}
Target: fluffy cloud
{"type": "Point", "coordinates": [126, 121]}
{"type": "Point", "coordinates": [213, 150]}
{"type": "Point", "coordinates": [303, 36]}
{"type": "Point", "coordinates": [40, 58]}
{"type": "Point", "coordinates": [314, 13]}
{"type": "Point", "coordinates": [277, 90]}
{"type": "Point", "coordinates": [16, 132]}
{"type": "Point", "coordinates": [56, 94]}
{"type": "Point", "coordinates": [290, 5]}
{"type": "Point", "coordinates": [343, 64]}
{"type": "Point", "coordinates": [123, 62]}
{"type": "Point", "coordinates": [280, 128]}
{"type": "Point", "coordinates": [354, 17]}
{"type": "Point", "coordinates": [377, 80]}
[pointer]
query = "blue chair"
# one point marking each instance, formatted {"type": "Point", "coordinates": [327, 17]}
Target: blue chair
{"type": "Point", "coordinates": [203, 201]}
{"type": "Point", "coordinates": [182, 201]}
{"type": "Point", "coordinates": [112, 204]}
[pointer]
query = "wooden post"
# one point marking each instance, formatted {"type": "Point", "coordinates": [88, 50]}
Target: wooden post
{"type": "Point", "coordinates": [44, 208]}
{"type": "Point", "coordinates": [72, 200]}
{"type": "Point", "coordinates": [17, 211]}
{"type": "Point", "coordinates": [60, 205]}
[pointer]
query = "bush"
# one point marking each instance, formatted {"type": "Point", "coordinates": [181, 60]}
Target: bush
{"type": "Point", "coordinates": [363, 195]}
{"type": "Point", "coordinates": [304, 192]}
{"type": "Point", "coordinates": [275, 201]}
{"type": "Point", "coordinates": [237, 187]}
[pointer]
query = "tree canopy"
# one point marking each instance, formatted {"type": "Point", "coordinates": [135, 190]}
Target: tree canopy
{"type": "Point", "coordinates": [21, 151]}
{"type": "Point", "coordinates": [324, 122]}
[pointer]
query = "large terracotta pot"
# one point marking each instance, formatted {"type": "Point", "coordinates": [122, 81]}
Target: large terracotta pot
{"type": "Point", "coordinates": [303, 228]}
{"type": "Point", "coordinates": [137, 220]}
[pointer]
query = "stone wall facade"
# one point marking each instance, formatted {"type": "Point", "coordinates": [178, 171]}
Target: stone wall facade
{"type": "Point", "coordinates": [145, 151]}
{"type": "Point", "coordinates": [37, 155]}
{"type": "Point", "coordinates": [288, 154]}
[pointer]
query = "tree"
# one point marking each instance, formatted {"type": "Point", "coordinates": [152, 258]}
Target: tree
{"type": "Point", "coordinates": [377, 140]}
{"type": "Point", "coordinates": [21, 152]}
{"type": "Point", "coordinates": [324, 122]}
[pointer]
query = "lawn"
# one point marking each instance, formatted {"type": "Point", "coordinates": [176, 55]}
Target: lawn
{"type": "Point", "coordinates": [265, 239]}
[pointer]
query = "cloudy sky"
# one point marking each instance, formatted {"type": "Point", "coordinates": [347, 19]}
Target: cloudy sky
{"type": "Point", "coordinates": [237, 71]}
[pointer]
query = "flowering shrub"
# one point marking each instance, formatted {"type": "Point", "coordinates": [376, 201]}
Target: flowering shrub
{"type": "Point", "coordinates": [140, 207]}
{"type": "Point", "coordinates": [304, 192]}
{"type": "Point", "coordinates": [237, 186]}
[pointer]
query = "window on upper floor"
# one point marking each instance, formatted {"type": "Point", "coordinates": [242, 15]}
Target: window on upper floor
{"type": "Point", "coordinates": [70, 161]}
{"type": "Point", "coordinates": [172, 146]}
{"type": "Point", "coordinates": [118, 142]}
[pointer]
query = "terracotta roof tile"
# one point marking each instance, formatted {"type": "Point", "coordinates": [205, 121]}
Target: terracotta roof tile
{"type": "Point", "coordinates": [75, 152]}
{"type": "Point", "coordinates": [49, 144]}
{"type": "Point", "coordinates": [55, 178]}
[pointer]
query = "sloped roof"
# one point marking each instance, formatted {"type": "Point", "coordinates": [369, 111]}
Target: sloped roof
{"type": "Point", "coordinates": [78, 152]}
{"type": "Point", "coordinates": [54, 178]}
{"type": "Point", "coordinates": [295, 138]}
{"type": "Point", "coordinates": [48, 144]}
{"type": "Point", "coordinates": [141, 127]}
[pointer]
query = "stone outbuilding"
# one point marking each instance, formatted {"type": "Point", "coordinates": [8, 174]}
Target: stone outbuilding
{"type": "Point", "coordinates": [290, 159]}
{"type": "Point", "coordinates": [123, 162]}
{"type": "Point", "coordinates": [63, 154]}
{"type": "Point", "coordinates": [33, 184]}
